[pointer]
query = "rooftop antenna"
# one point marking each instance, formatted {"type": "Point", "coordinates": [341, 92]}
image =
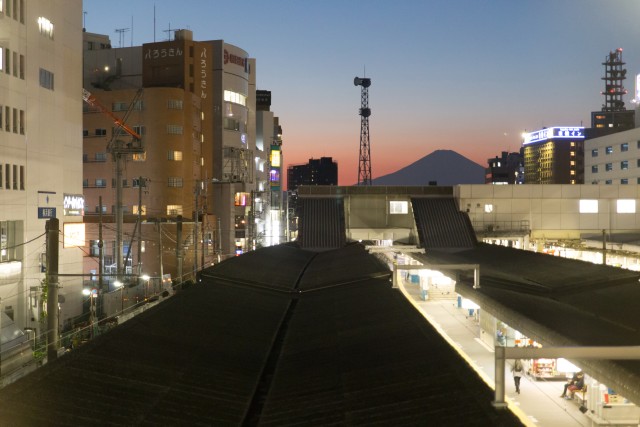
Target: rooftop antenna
{"type": "Point", "coordinates": [364, 162]}
{"type": "Point", "coordinates": [121, 32]}
{"type": "Point", "coordinates": [168, 31]}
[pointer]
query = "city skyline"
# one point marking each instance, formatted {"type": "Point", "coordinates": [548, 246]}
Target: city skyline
{"type": "Point", "coordinates": [466, 76]}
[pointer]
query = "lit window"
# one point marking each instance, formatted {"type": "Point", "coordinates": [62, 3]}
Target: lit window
{"type": "Point", "coordinates": [624, 146]}
{"type": "Point", "coordinates": [236, 98]}
{"type": "Point", "coordinates": [609, 150]}
{"type": "Point", "coordinates": [174, 155]}
{"type": "Point", "coordinates": [624, 165]}
{"type": "Point", "coordinates": [275, 158]}
{"type": "Point", "coordinates": [139, 157]}
{"type": "Point", "coordinates": [174, 209]}
{"type": "Point", "coordinates": [143, 210]}
{"type": "Point", "coordinates": [174, 104]}
{"type": "Point", "coordinates": [45, 27]}
{"type": "Point", "coordinates": [488, 208]}
{"type": "Point", "coordinates": [588, 206]}
{"type": "Point", "coordinates": [398, 207]}
{"type": "Point", "coordinates": [626, 206]}
{"type": "Point", "coordinates": [594, 152]}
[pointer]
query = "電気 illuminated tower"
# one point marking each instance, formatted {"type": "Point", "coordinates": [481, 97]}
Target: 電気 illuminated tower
{"type": "Point", "coordinates": [364, 163]}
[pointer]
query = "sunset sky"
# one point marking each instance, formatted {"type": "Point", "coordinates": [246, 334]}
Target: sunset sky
{"type": "Point", "coordinates": [465, 75]}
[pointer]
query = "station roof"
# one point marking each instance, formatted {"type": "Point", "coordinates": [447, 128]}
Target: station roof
{"type": "Point", "coordinates": [278, 336]}
{"type": "Point", "coordinates": [557, 301]}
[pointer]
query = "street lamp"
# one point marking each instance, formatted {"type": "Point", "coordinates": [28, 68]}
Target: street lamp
{"type": "Point", "coordinates": [119, 284]}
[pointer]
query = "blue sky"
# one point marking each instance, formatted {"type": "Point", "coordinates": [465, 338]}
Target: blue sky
{"type": "Point", "coordinates": [465, 75]}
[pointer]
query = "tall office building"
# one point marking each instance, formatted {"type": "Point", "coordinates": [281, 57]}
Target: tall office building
{"type": "Point", "coordinates": [40, 169]}
{"type": "Point", "coordinates": [554, 156]}
{"type": "Point", "coordinates": [193, 104]}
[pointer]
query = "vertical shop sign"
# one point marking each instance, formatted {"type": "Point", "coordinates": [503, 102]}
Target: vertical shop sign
{"type": "Point", "coordinates": [203, 73]}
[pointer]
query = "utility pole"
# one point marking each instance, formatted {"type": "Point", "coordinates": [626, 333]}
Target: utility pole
{"type": "Point", "coordinates": [52, 231]}
{"type": "Point", "coordinates": [195, 231]}
{"type": "Point", "coordinates": [179, 246]}
{"type": "Point", "coordinates": [100, 248]}
{"type": "Point", "coordinates": [141, 182]}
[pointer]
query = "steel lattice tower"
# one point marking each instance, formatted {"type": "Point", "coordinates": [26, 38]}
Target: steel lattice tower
{"type": "Point", "coordinates": [364, 163]}
{"type": "Point", "coordinates": [614, 80]}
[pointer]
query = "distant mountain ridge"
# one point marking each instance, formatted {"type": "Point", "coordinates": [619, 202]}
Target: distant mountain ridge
{"type": "Point", "coordinates": [445, 167]}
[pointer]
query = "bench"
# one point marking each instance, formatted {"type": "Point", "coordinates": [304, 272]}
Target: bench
{"type": "Point", "coordinates": [580, 394]}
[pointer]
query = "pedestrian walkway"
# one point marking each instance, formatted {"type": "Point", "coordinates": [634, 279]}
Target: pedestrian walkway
{"type": "Point", "coordinates": [539, 402]}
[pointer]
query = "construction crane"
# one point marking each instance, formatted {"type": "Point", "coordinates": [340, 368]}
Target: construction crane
{"type": "Point", "coordinates": [119, 150]}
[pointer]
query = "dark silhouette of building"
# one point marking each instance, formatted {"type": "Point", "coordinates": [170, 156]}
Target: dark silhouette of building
{"type": "Point", "coordinates": [323, 171]}
{"type": "Point", "coordinates": [506, 169]}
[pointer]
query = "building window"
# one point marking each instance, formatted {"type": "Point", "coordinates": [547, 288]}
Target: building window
{"type": "Point", "coordinates": [594, 169]}
{"type": "Point", "coordinates": [608, 167]}
{"type": "Point", "coordinates": [85, 183]}
{"type": "Point", "coordinates": [624, 165]}
{"type": "Point", "coordinates": [137, 181]}
{"type": "Point", "coordinates": [608, 150]}
{"type": "Point", "coordinates": [7, 176]}
{"type": "Point", "coordinates": [45, 27]}
{"type": "Point", "coordinates": [624, 146]}
{"type": "Point", "coordinates": [101, 183]}
{"type": "Point", "coordinates": [15, 177]}
{"type": "Point", "coordinates": [94, 249]}
{"type": "Point", "coordinates": [174, 130]}
{"type": "Point", "coordinates": [22, 65]}
{"type": "Point", "coordinates": [21, 177]}
{"type": "Point", "coordinates": [140, 130]}
{"type": "Point", "coordinates": [488, 208]}
{"type": "Point", "coordinates": [588, 206]}
{"type": "Point", "coordinates": [608, 182]}
{"type": "Point", "coordinates": [236, 98]}
{"type": "Point", "coordinates": [398, 207]}
{"type": "Point", "coordinates": [119, 106]}
{"type": "Point", "coordinates": [175, 181]}
{"type": "Point", "coordinates": [624, 181]}
{"type": "Point", "coordinates": [85, 133]}
{"type": "Point", "coordinates": [143, 209]}
{"type": "Point", "coordinates": [174, 155]}
{"type": "Point", "coordinates": [46, 79]}
{"type": "Point", "coordinates": [23, 123]}
{"type": "Point", "coordinates": [139, 157]}
{"type": "Point", "coordinates": [174, 210]}
{"type": "Point", "coordinates": [626, 206]}
{"type": "Point", "coordinates": [174, 104]}
{"type": "Point", "coordinates": [101, 157]}
{"type": "Point", "coordinates": [231, 124]}
{"type": "Point", "coordinates": [101, 132]}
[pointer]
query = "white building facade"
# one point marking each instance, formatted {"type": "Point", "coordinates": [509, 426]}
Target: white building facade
{"type": "Point", "coordinates": [41, 146]}
{"type": "Point", "coordinates": [613, 159]}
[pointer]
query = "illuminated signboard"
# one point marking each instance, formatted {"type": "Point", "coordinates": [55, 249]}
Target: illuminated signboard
{"type": "Point", "coordinates": [243, 199]}
{"type": "Point", "coordinates": [560, 132]}
{"type": "Point", "coordinates": [274, 176]}
{"type": "Point", "coordinates": [73, 204]}
{"type": "Point", "coordinates": [275, 158]}
{"type": "Point", "coordinates": [73, 235]}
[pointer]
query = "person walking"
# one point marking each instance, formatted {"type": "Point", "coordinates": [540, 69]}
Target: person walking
{"type": "Point", "coordinates": [517, 369]}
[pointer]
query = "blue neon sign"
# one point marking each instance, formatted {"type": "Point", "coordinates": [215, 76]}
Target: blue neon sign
{"type": "Point", "coordinates": [558, 132]}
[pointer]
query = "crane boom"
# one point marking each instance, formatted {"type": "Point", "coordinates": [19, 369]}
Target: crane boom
{"type": "Point", "coordinates": [91, 100]}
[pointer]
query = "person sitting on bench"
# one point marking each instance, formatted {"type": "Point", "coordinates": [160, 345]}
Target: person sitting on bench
{"type": "Point", "coordinates": [576, 383]}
